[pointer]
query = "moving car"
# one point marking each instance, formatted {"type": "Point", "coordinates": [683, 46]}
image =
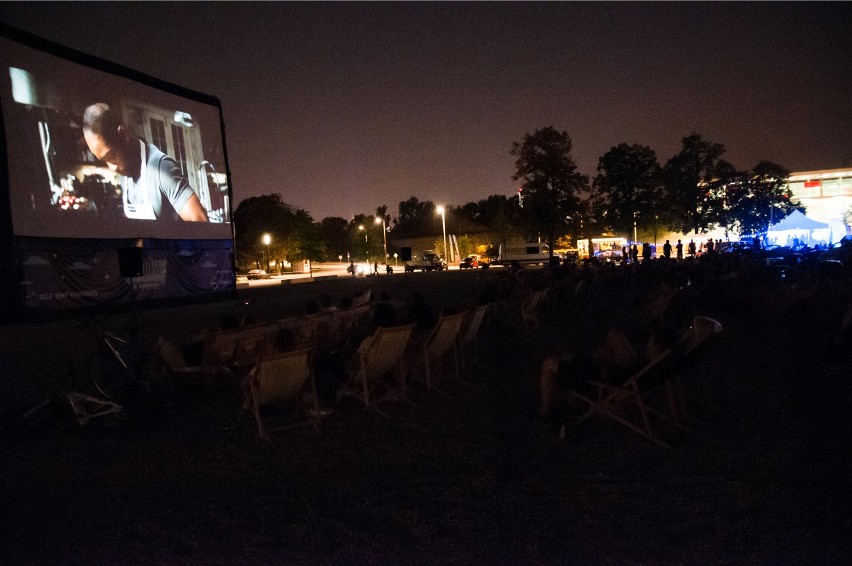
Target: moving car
{"type": "Point", "coordinates": [257, 274]}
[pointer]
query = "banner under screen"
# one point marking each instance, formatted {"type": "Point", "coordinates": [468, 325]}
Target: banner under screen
{"type": "Point", "coordinates": [153, 168]}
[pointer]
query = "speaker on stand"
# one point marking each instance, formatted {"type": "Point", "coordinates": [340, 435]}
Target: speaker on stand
{"type": "Point", "coordinates": [130, 265]}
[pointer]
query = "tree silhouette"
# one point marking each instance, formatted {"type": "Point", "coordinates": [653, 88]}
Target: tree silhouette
{"type": "Point", "coordinates": [688, 176]}
{"type": "Point", "coordinates": [628, 184]}
{"type": "Point", "coordinates": [552, 187]}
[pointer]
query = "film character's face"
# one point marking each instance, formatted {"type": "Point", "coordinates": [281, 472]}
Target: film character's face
{"type": "Point", "coordinates": [114, 155]}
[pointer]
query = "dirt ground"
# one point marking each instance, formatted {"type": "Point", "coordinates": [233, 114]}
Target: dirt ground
{"type": "Point", "coordinates": [470, 479]}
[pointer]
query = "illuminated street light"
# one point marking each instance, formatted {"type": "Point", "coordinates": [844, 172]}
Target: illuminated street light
{"type": "Point", "coordinates": [440, 210]}
{"type": "Point", "coordinates": [266, 240]}
{"type": "Point", "coordinates": [384, 235]}
{"type": "Point", "coordinates": [366, 242]}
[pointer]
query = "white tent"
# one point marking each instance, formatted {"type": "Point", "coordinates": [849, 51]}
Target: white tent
{"type": "Point", "coordinates": [798, 223]}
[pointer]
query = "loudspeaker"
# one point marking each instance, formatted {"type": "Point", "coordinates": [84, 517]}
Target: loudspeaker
{"type": "Point", "coordinates": [130, 262]}
{"type": "Point", "coordinates": [405, 254]}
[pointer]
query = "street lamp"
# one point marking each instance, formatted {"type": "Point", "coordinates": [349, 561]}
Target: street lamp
{"type": "Point", "coordinates": [366, 242]}
{"type": "Point", "coordinates": [266, 239]}
{"type": "Point", "coordinates": [634, 226]}
{"type": "Point", "coordinates": [440, 210]}
{"type": "Point", "coordinates": [384, 235]}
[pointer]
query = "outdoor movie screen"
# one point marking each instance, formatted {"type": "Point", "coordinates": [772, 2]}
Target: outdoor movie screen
{"type": "Point", "coordinates": [92, 154]}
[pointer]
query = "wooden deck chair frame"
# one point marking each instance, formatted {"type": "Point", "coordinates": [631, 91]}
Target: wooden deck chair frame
{"type": "Point", "coordinates": [441, 343]}
{"type": "Point", "coordinates": [692, 347]}
{"type": "Point", "coordinates": [378, 356]}
{"type": "Point", "coordinates": [525, 314]}
{"type": "Point", "coordinates": [468, 337]}
{"type": "Point", "coordinates": [615, 401]}
{"type": "Point", "coordinates": [280, 379]}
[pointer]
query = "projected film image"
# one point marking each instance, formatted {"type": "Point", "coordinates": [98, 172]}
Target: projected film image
{"type": "Point", "coordinates": [96, 155]}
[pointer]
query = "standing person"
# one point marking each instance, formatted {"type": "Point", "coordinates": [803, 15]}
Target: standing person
{"type": "Point", "coordinates": [634, 253]}
{"type": "Point", "coordinates": [667, 250]}
{"type": "Point", "coordinates": [710, 246]}
{"type": "Point", "coordinates": [153, 186]}
{"type": "Point", "coordinates": [679, 250]}
{"type": "Point", "coordinates": [375, 268]}
{"type": "Point", "coordinates": [646, 251]}
{"type": "Point", "coordinates": [692, 248]}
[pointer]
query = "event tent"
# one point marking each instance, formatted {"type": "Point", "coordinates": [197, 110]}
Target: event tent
{"type": "Point", "coordinates": [797, 221]}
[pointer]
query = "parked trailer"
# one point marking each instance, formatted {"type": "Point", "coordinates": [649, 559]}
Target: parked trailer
{"type": "Point", "coordinates": [525, 253]}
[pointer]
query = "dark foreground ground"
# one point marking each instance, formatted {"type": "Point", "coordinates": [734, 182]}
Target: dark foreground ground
{"type": "Point", "coordinates": [470, 480]}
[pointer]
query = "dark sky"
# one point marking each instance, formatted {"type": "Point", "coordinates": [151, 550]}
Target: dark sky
{"type": "Point", "coordinates": [345, 107]}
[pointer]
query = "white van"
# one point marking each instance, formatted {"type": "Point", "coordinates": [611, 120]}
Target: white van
{"type": "Point", "coordinates": [529, 253]}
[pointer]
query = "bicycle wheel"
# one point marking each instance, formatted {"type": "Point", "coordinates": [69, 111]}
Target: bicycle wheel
{"type": "Point", "coordinates": [107, 376]}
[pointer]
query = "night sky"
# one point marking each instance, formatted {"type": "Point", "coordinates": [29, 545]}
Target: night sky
{"type": "Point", "coordinates": [345, 107]}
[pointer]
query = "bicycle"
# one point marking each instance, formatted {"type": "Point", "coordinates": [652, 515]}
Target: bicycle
{"type": "Point", "coordinates": [129, 381]}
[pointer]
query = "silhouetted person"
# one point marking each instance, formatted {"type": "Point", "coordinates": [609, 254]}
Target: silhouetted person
{"type": "Point", "coordinates": [667, 250]}
{"type": "Point", "coordinates": [692, 248]}
{"type": "Point", "coordinates": [679, 250]}
{"type": "Point", "coordinates": [421, 313]}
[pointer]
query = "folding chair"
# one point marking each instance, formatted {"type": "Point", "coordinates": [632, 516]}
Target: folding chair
{"type": "Point", "coordinates": [628, 403]}
{"type": "Point", "coordinates": [693, 348]}
{"type": "Point", "coordinates": [441, 342]}
{"type": "Point", "coordinates": [378, 356]}
{"type": "Point", "coordinates": [525, 314]}
{"type": "Point", "coordinates": [468, 343]}
{"type": "Point", "coordinates": [278, 382]}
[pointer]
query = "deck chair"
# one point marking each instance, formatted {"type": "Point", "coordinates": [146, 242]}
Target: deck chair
{"type": "Point", "coordinates": [692, 350]}
{"type": "Point", "coordinates": [441, 344]}
{"type": "Point", "coordinates": [628, 403]}
{"type": "Point", "coordinates": [277, 384]}
{"type": "Point", "coordinates": [468, 343]}
{"type": "Point", "coordinates": [251, 344]}
{"type": "Point", "coordinates": [379, 356]}
{"type": "Point", "coordinates": [169, 356]}
{"type": "Point", "coordinates": [525, 314]}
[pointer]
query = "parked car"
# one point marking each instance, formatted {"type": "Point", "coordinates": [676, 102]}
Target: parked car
{"type": "Point", "coordinates": [469, 262]}
{"type": "Point", "coordinates": [257, 274]}
{"type": "Point", "coordinates": [427, 261]}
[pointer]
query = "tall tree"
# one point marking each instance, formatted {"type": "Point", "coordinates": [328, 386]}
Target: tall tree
{"type": "Point", "coordinates": [687, 178]}
{"type": "Point", "coordinates": [293, 235]}
{"type": "Point", "coordinates": [552, 186]}
{"type": "Point", "coordinates": [334, 232]}
{"type": "Point", "coordinates": [416, 218]}
{"type": "Point", "coordinates": [763, 197]}
{"type": "Point", "coordinates": [628, 184]}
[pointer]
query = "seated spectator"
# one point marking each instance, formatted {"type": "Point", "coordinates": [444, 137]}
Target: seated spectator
{"type": "Point", "coordinates": [613, 360]}
{"type": "Point", "coordinates": [282, 341]}
{"type": "Point", "coordinates": [325, 303]}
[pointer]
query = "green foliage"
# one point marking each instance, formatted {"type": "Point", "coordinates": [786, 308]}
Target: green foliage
{"type": "Point", "coordinates": [416, 218]}
{"type": "Point", "coordinates": [293, 235]}
{"type": "Point", "coordinates": [759, 198]}
{"type": "Point", "coordinates": [552, 187]}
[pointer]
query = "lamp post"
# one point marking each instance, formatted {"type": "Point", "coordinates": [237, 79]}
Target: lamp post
{"type": "Point", "coordinates": [366, 241]}
{"type": "Point", "coordinates": [634, 226]}
{"type": "Point", "coordinates": [384, 235]}
{"type": "Point", "coordinates": [440, 210]}
{"type": "Point", "coordinates": [266, 239]}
